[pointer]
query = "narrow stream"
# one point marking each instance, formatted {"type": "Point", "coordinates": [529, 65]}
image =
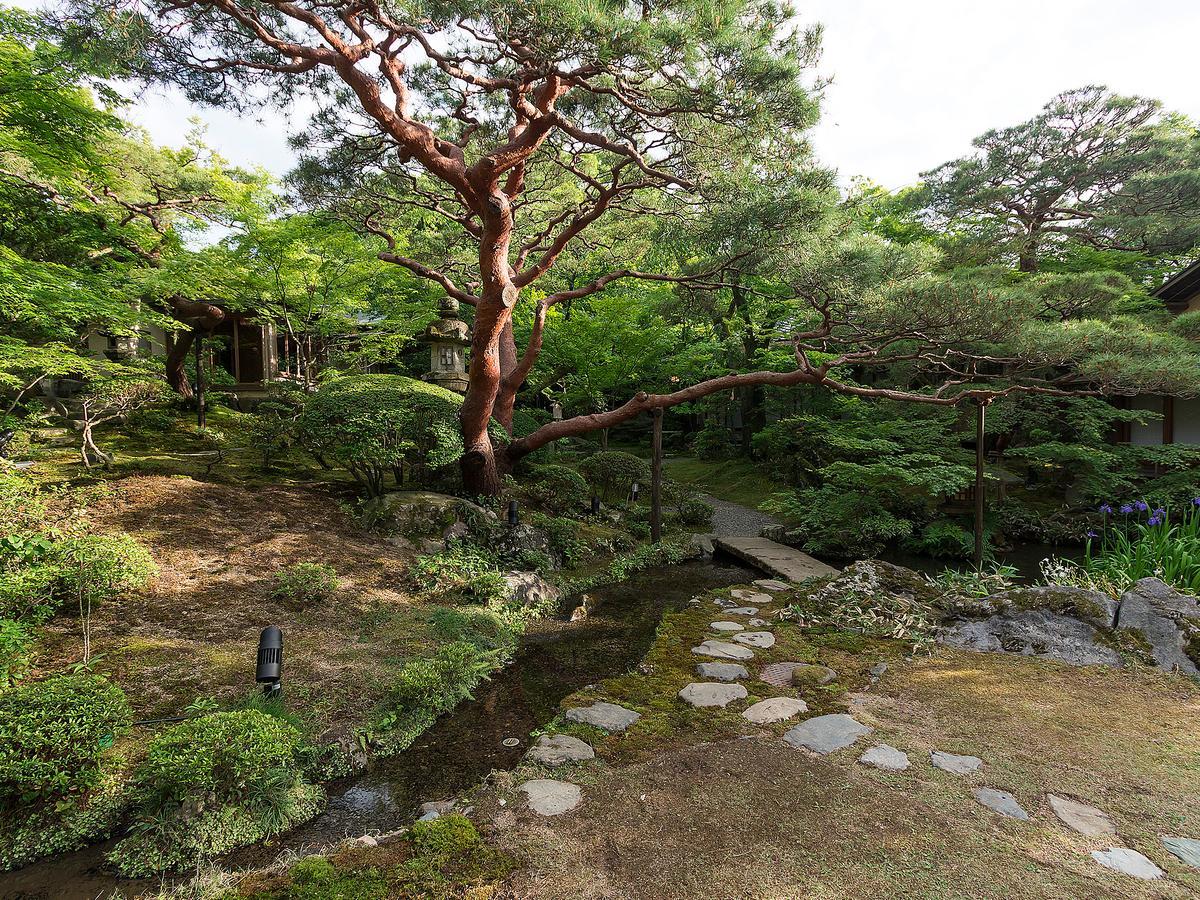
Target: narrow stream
{"type": "Point", "coordinates": [556, 658]}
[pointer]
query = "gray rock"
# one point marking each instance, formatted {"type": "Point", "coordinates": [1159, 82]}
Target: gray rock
{"type": "Point", "coordinates": [878, 669]}
{"type": "Point", "coordinates": [770, 584]}
{"type": "Point", "coordinates": [886, 757]}
{"type": "Point", "coordinates": [1127, 862]}
{"type": "Point", "coordinates": [1166, 619]}
{"type": "Point", "coordinates": [704, 694]}
{"type": "Point", "coordinates": [725, 626]}
{"type": "Point", "coordinates": [953, 763]}
{"type": "Point", "coordinates": [1095, 608]}
{"type": "Point", "coordinates": [761, 639]}
{"type": "Point", "coordinates": [756, 623]}
{"type": "Point", "coordinates": [530, 589]}
{"type": "Point", "coordinates": [752, 596]}
{"type": "Point", "coordinates": [548, 797]}
{"type": "Point", "coordinates": [431, 546]}
{"type": "Point", "coordinates": [559, 749]}
{"type": "Point", "coordinates": [703, 543]}
{"type": "Point", "coordinates": [741, 610]}
{"type": "Point", "coordinates": [723, 650]}
{"type": "Point", "coordinates": [1187, 849]}
{"type": "Point", "coordinates": [825, 734]}
{"type": "Point", "coordinates": [421, 513]}
{"type": "Point", "coordinates": [456, 531]}
{"type": "Point", "coordinates": [435, 809]}
{"type": "Point", "coordinates": [726, 603]}
{"type": "Point", "coordinates": [807, 674]}
{"type": "Point", "coordinates": [1033, 632]}
{"type": "Point", "coordinates": [774, 709]}
{"type": "Point", "coordinates": [1081, 817]}
{"type": "Point", "coordinates": [1000, 801]}
{"type": "Point", "coordinates": [604, 715]}
{"type": "Point", "coordinates": [721, 671]}
{"type": "Point", "coordinates": [366, 840]}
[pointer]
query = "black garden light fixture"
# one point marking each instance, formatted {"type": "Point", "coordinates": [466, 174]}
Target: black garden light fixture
{"type": "Point", "coordinates": [595, 505]}
{"type": "Point", "coordinates": [512, 513]}
{"type": "Point", "coordinates": [269, 670]}
{"type": "Point", "coordinates": [633, 492]}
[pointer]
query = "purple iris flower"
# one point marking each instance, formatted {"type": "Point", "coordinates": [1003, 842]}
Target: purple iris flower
{"type": "Point", "coordinates": [1092, 534]}
{"type": "Point", "coordinates": [1160, 512]}
{"type": "Point", "coordinates": [1126, 508]}
{"type": "Point", "coordinates": [1197, 501]}
{"type": "Point", "coordinates": [1141, 505]}
{"type": "Point", "coordinates": [1106, 508]}
{"type": "Point", "coordinates": [1154, 520]}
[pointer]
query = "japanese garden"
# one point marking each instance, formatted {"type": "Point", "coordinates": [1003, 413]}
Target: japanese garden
{"type": "Point", "coordinates": [566, 478]}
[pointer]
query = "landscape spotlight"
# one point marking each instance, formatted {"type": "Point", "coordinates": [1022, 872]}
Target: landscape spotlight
{"type": "Point", "coordinates": [512, 512]}
{"type": "Point", "coordinates": [633, 492]}
{"type": "Point", "coordinates": [595, 505]}
{"type": "Point", "coordinates": [269, 670]}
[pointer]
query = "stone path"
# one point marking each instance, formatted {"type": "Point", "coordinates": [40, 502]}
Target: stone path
{"type": "Point", "coordinates": [886, 757]}
{"type": "Point", "coordinates": [723, 650]}
{"type": "Point", "coordinates": [706, 693]}
{"type": "Point", "coordinates": [775, 709]}
{"type": "Point", "coordinates": [763, 640]}
{"type": "Point", "coordinates": [733, 519]}
{"type": "Point", "coordinates": [1000, 801]}
{"type": "Point", "coordinates": [548, 797]}
{"type": "Point", "coordinates": [953, 763]}
{"type": "Point", "coordinates": [1081, 817]}
{"type": "Point", "coordinates": [725, 626]}
{"type": "Point", "coordinates": [560, 749]}
{"type": "Point", "coordinates": [825, 734]}
{"type": "Point", "coordinates": [608, 716]}
{"type": "Point", "coordinates": [721, 671]}
{"type": "Point", "coordinates": [1127, 862]}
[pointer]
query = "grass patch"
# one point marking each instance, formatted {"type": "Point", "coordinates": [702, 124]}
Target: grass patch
{"type": "Point", "coordinates": [735, 480]}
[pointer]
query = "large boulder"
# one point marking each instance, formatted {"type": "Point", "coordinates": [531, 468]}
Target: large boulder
{"type": "Point", "coordinates": [1033, 632]}
{"type": "Point", "coordinates": [1167, 620]}
{"type": "Point", "coordinates": [1093, 607]}
{"type": "Point", "coordinates": [417, 514]}
{"type": "Point", "coordinates": [518, 540]}
{"type": "Point", "coordinates": [530, 589]}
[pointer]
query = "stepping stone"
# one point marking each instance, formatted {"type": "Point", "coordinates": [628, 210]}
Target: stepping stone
{"type": "Point", "coordinates": [1000, 801]}
{"type": "Point", "coordinates": [953, 763]}
{"type": "Point", "coordinates": [775, 709]}
{"type": "Point", "coordinates": [770, 584]}
{"type": "Point", "coordinates": [804, 675]}
{"type": "Point", "coordinates": [608, 716]}
{"type": "Point", "coordinates": [757, 623]}
{"type": "Point", "coordinates": [741, 611]}
{"type": "Point", "coordinates": [824, 734]}
{"type": "Point", "coordinates": [1187, 849]}
{"type": "Point", "coordinates": [724, 603]}
{"type": "Point", "coordinates": [723, 650]}
{"type": "Point", "coordinates": [1081, 817]}
{"type": "Point", "coordinates": [725, 626]}
{"type": "Point", "coordinates": [753, 597]}
{"type": "Point", "coordinates": [721, 671]}
{"type": "Point", "coordinates": [559, 749]}
{"type": "Point", "coordinates": [702, 694]}
{"type": "Point", "coordinates": [548, 797]}
{"type": "Point", "coordinates": [760, 639]}
{"type": "Point", "coordinates": [886, 757]}
{"type": "Point", "coordinates": [1127, 862]}
{"type": "Point", "coordinates": [878, 669]}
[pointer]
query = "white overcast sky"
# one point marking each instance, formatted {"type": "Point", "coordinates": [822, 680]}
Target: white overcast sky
{"type": "Point", "coordinates": [913, 81]}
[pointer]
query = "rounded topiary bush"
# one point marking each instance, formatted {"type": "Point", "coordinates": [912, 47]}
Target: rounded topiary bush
{"type": "Point", "coordinates": [214, 783]}
{"type": "Point", "coordinates": [52, 735]}
{"type": "Point", "coordinates": [373, 424]}
{"type": "Point", "coordinates": [556, 488]}
{"type": "Point", "coordinates": [613, 472]}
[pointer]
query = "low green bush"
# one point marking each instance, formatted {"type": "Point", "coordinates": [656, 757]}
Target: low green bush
{"type": "Point", "coordinates": [943, 539]}
{"type": "Point", "coordinates": [53, 733]}
{"type": "Point", "coordinates": [32, 593]}
{"type": "Point", "coordinates": [557, 489]}
{"type": "Point", "coordinates": [305, 584]}
{"type": "Point", "coordinates": [101, 566]}
{"type": "Point", "coordinates": [694, 512]}
{"type": "Point", "coordinates": [563, 535]}
{"type": "Point", "coordinates": [463, 573]}
{"type": "Point", "coordinates": [214, 783]}
{"type": "Point", "coordinates": [613, 472]}
{"type": "Point", "coordinates": [16, 639]}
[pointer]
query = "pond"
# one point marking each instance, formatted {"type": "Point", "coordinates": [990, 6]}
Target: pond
{"type": "Point", "coordinates": [557, 657]}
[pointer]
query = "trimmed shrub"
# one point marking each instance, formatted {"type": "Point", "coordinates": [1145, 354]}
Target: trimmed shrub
{"type": "Point", "coordinates": [214, 783]}
{"type": "Point", "coordinates": [52, 735]}
{"type": "Point", "coordinates": [694, 512]}
{"type": "Point", "coordinates": [557, 489]}
{"type": "Point", "coordinates": [16, 638]}
{"type": "Point", "coordinates": [613, 473]}
{"type": "Point", "coordinates": [102, 566]}
{"type": "Point", "coordinates": [373, 424]}
{"type": "Point", "coordinates": [305, 584]}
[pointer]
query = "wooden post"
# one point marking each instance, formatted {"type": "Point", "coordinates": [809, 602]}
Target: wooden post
{"type": "Point", "coordinates": [656, 479]}
{"type": "Point", "coordinates": [201, 412]}
{"type": "Point", "coordinates": [981, 405]}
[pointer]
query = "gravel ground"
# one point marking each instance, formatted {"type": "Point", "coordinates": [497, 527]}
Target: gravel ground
{"type": "Point", "coordinates": [735, 520]}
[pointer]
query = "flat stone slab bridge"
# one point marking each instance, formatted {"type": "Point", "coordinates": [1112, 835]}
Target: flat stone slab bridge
{"type": "Point", "coordinates": [777, 559]}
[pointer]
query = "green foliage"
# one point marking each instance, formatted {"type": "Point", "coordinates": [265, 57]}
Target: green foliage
{"type": "Point", "coordinates": [53, 733]}
{"type": "Point", "coordinates": [668, 552]}
{"type": "Point", "coordinates": [463, 571]}
{"type": "Point", "coordinates": [101, 566]}
{"type": "Point", "coordinates": [16, 641]}
{"type": "Point", "coordinates": [943, 539]}
{"type": "Point", "coordinates": [833, 520]}
{"type": "Point", "coordinates": [564, 538]}
{"type": "Point", "coordinates": [557, 489]}
{"type": "Point", "coordinates": [372, 424]}
{"type": "Point", "coordinates": [213, 783]}
{"type": "Point", "coordinates": [1150, 543]}
{"type": "Point", "coordinates": [305, 584]}
{"type": "Point", "coordinates": [613, 472]}
{"type": "Point", "coordinates": [713, 442]}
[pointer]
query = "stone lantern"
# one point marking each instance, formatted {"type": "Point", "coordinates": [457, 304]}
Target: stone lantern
{"type": "Point", "coordinates": [447, 337]}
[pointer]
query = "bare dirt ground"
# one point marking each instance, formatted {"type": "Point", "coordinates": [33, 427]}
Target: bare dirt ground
{"type": "Point", "coordinates": [750, 817]}
{"type": "Point", "coordinates": [193, 631]}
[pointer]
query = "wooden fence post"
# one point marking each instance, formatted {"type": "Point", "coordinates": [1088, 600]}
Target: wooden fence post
{"type": "Point", "coordinates": [656, 479]}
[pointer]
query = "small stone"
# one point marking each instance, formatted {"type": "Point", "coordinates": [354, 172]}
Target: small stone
{"type": "Point", "coordinates": [559, 749]}
{"type": "Point", "coordinates": [953, 763]}
{"type": "Point", "coordinates": [753, 597]}
{"type": "Point", "coordinates": [770, 584]}
{"type": "Point", "coordinates": [1127, 862]}
{"type": "Point", "coordinates": [757, 623]}
{"type": "Point", "coordinates": [703, 694]}
{"type": "Point", "coordinates": [1000, 801]}
{"type": "Point", "coordinates": [725, 603]}
{"type": "Point", "coordinates": [824, 734]}
{"type": "Point", "coordinates": [725, 626]}
{"type": "Point", "coordinates": [366, 841]}
{"type": "Point", "coordinates": [723, 650]}
{"type": "Point", "coordinates": [760, 639]}
{"type": "Point", "coordinates": [886, 757]}
{"type": "Point", "coordinates": [878, 669]}
{"type": "Point", "coordinates": [741, 610]}
{"type": "Point", "coordinates": [1187, 849]}
{"type": "Point", "coordinates": [435, 809]}
{"type": "Point", "coordinates": [774, 709]}
{"type": "Point", "coordinates": [804, 674]}
{"type": "Point", "coordinates": [548, 797]}
{"type": "Point", "coordinates": [721, 671]}
{"type": "Point", "coordinates": [1081, 817]}
{"type": "Point", "coordinates": [608, 716]}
